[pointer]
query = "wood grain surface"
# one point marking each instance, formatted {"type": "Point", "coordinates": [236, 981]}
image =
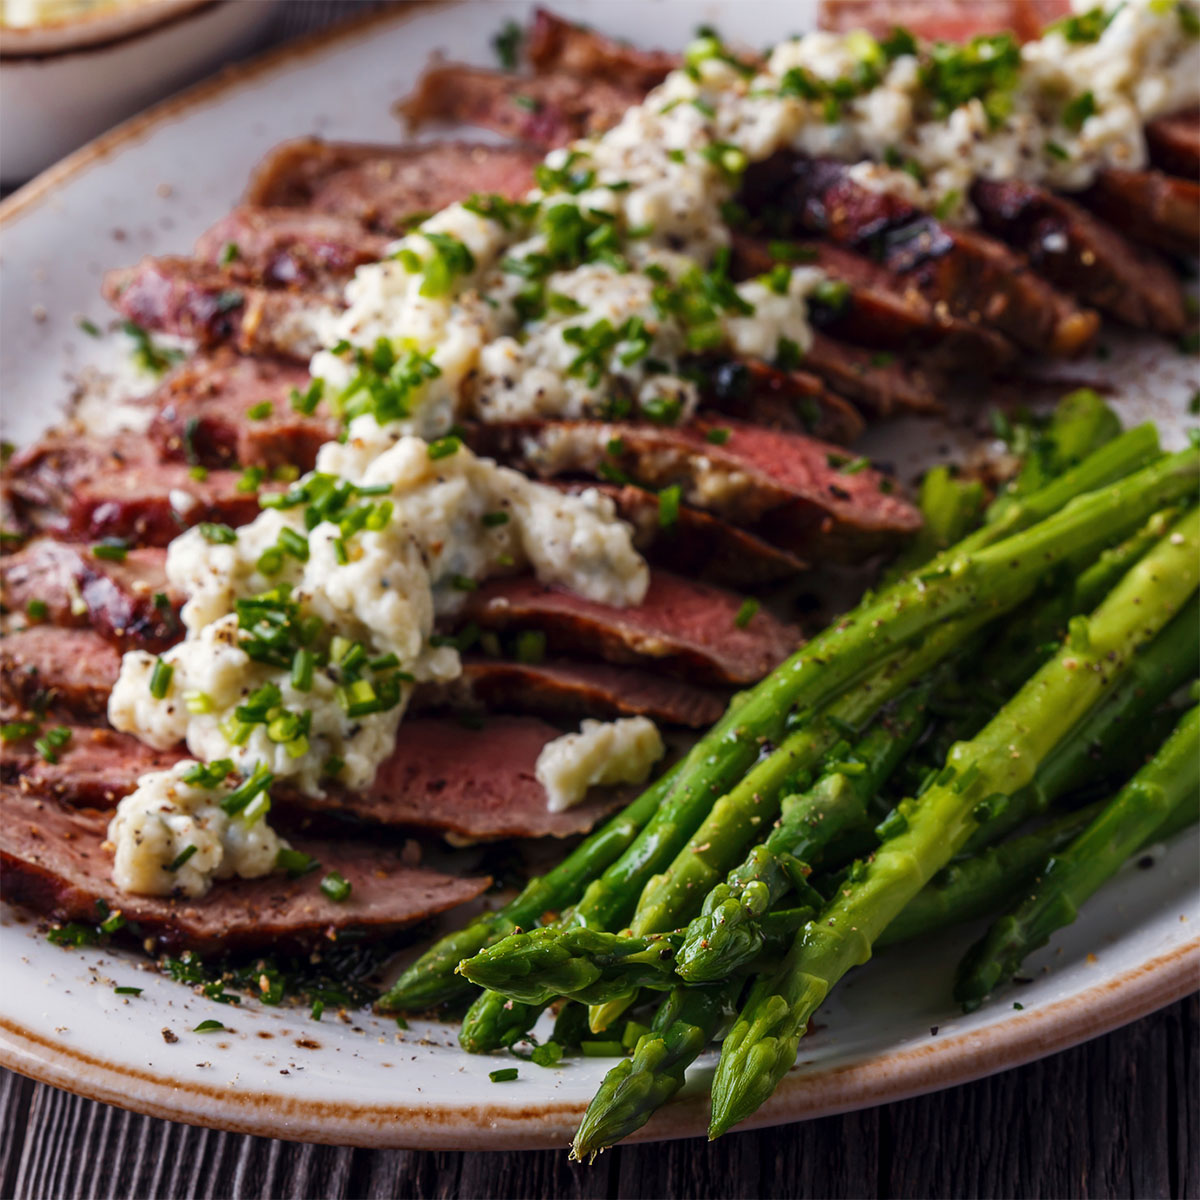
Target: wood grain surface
{"type": "Point", "coordinates": [1118, 1117]}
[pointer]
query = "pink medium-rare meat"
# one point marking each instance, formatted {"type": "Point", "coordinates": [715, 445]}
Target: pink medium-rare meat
{"type": "Point", "coordinates": [1174, 142]}
{"type": "Point", "coordinates": [943, 20]}
{"type": "Point", "coordinates": [554, 45]}
{"type": "Point", "coordinates": [694, 543]}
{"type": "Point", "coordinates": [1082, 255]}
{"type": "Point", "coordinates": [975, 276]}
{"type": "Point", "coordinates": [822, 499]}
{"type": "Point", "coordinates": [127, 601]}
{"type": "Point", "coordinates": [79, 488]}
{"type": "Point", "coordinates": [541, 110]}
{"type": "Point", "coordinates": [880, 310]}
{"type": "Point", "coordinates": [194, 299]}
{"type": "Point", "coordinates": [1156, 209]}
{"type": "Point", "coordinates": [387, 187]}
{"type": "Point", "coordinates": [72, 670]}
{"type": "Point", "coordinates": [290, 247]}
{"type": "Point", "coordinates": [563, 689]}
{"type": "Point", "coordinates": [93, 769]}
{"type": "Point", "coordinates": [475, 783]}
{"type": "Point", "coordinates": [702, 631]}
{"type": "Point", "coordinates": [55, 861]}
{"type": "Point", "coordinates": [211, 412]}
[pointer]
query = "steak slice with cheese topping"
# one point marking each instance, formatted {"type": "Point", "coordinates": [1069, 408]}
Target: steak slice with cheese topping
{"type": "Point", "coordinates": [127, 601]}
{"type": "Point", "coordinates": [1085, 257]}
{"type": "Point", "coordinates": [55, 862]}
{"type": "Point", "coordinates": [387, 188]}
{"type": "Point", "coordinates": [975, 276]}
{"type": "Point", "coordinates": [443, 775]}
{"type": "Point", "coordinates": [79, 487]}
{"type": "Point", "coordinates": [222, 409]}
{"type": "Point", "coordinates": [701, 631]}
{"type": "Point", "coordinates": [820, 499]}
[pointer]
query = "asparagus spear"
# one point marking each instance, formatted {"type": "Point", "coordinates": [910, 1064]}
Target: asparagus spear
{"type": "Point", "coordinates": [1136, 813]}
{"type": "Point", "coordinates": [950, 507]}
{"type": "Point", "coordinates": [1109, 729]}
{"type": "Point", "coordinates": [726, 934]}
{"type": "Point", "coordinates": [431, 980]}
{"type": "Point", "coordinates": [762, 1045]}
{"type": "Point", "coordinates": [686, 1022]}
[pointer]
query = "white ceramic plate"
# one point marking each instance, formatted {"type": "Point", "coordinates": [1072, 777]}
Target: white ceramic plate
{"type": "Point", "coordinates": [891, 1030]}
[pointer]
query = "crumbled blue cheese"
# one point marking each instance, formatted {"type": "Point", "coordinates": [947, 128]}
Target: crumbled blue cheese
{"type": "Point", "coordinates": [453, 520]}
{"type": "Point", "coordinates": [602, 753]}
{"type": "Point", "coordinates": [167, 823]}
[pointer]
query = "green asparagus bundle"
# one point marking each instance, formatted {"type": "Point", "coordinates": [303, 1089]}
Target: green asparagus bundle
{"type": "Point", "coordinates": [726, 934]}
{"type": "Point", "coordinates": [1170, 781]}
{"type": "Point", "coordinates": [1003, 758]}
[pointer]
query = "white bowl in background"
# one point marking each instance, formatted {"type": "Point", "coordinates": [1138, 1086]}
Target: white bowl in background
{"type": "Point", "coordinates": [64, 82]}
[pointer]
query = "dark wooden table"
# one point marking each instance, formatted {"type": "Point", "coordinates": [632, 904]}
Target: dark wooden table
{"type": "Point", "coordinates": [1119, 1116]}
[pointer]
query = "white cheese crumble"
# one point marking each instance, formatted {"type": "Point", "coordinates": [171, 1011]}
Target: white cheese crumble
{"type": "Point", "coordinates": [454, 520]}
{"type": "Point", "coordinates": [166, 821]}
{"type": "Point", "coordinates": [601, 753]}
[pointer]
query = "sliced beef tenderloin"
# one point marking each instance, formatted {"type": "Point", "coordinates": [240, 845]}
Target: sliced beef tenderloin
{"type": "Point", "coordinates": [55, 862]}
{"type": "Point", "coordinates": [93, 769]}
{"type": "Point", "coordinates": [879, 381]}
{"type": "Point", "coordinates": [699, 630]}
{"type": "Point", "coordinates": [694, 543]}
{"type": "Point", "coordinates": [474, 782]}
{"type": "Point", "coordinates": [798, 401]}
{"type": "Point", "coordinates": [1085, 257]}
{"type": "Point", "coordinates": [541, 110]}
{"type": "Point", "coordinates": [387, 188]}
{"type": "Point", "coordinates": [563, 689]}
{"type": "Point", "coordinates": [79, 488]}
{"type": "Point", "coordinates": [554, 45]}
{"type": "Point", "coordinates": [1174, 142]}
{"type": "Point", "coordinates": [973, 275]}
{"type": "Point", "coordinates": [197, 300]}
{"type": "Point", "coordinates": [822, 501]}
{"type": "Point", "coordinates": [204, 413]}
{"type": "Point", "coordinates": [1156, 209]}
{"type": "Point", "coordinates": [290, 247]}
{"type": "Point", "coordinates": [72, 670]}
{"type": "Point", "coordinates": [127, 601]}
{"type": "Point", "coordinates": [945, 20]}
{"type": "Point", "coordinates": [880, 310]}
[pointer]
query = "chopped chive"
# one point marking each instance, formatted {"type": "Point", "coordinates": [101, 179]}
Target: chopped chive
{"type": "Point", "coordinates": [463, 583]}
{"type": "Point", "coordinates": [198, 702]}
{"type": "Point", "coordinates": [127, 991]}
{"type": "Point", "coordinates": [717, 437]}
{"type": "Point", "coordinates": [317, 1010]}
{"type": "Point", "coordinates": [37, 610]}
{"type": "Point", "coordinates": [89, 327]}
{"type": "Point", "coordinates": [229, 253]}
{"type": "Point", "coordinates": [15, 731]}
{"type": "Point", "coordinates": [668, 506]}
{"type": "Point", "coordinates": [260, 411]}
{"type": "Point", "coordinates": [493, 519]}
{"type": "Point", "coordinates": [504, 1075]}
{"type": "Point", "coordinates": [199, 474]}
{"type": "Point", "coordinates": [209, 1026]}
{"type": "Point", "coordinates": [531, 646]}
{"type": "Point", "coordinates": [160, 678]}
{"type": "Point", "coordinates": [444, 447]}
{"type": "Point", "coordinates": [111, 549]}
{"type": "Point", "coordinates": [401, 1023]}
{"type": "Point", "coordinates": [745, 614]}
{"type": "Point", "coordinates": [181, 858]}
{"type": "Point", "coordinates": [295, 862]}
{"type": "Point", "coordinates": [216, 533]}
{"type": "Point", "coordinates": [336, 886]}
{"type": "Point", "coordinates": [548, 1054]}
{"type": "Point", "coordinates": [302, 669]}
